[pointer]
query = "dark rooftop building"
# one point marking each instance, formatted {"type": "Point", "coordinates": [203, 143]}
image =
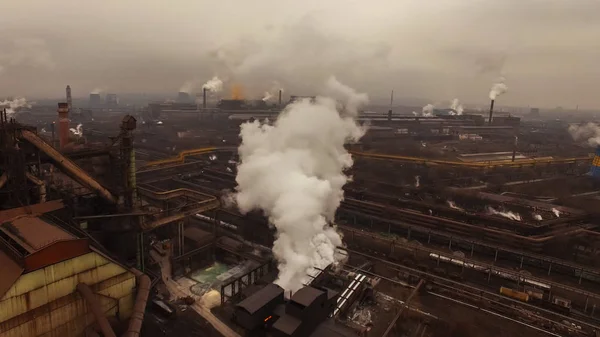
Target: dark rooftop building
{"type": "Point", "coordinates": [255, 310]}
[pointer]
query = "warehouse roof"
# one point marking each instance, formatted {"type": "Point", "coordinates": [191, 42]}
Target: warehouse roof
{"type": "Point", "coordinates": [287, 324]}
{"type": "Point", "coordinates": [261, 297]}
{"type": "Point", "coordinates": [33, 233]}
{"type": "Point", "coordinates": [306, 296]}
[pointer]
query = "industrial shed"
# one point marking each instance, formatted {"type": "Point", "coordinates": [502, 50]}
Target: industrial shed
{"type": "Point", "coordinates": [254, 310]}
{"type": "Point", "coordinates": [43, 267]}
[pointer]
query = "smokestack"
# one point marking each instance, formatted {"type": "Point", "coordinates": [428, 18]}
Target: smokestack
{"type": "Point", "coordinates": [69, 98]}
{"type": "Point", "coordinates": [280, 92]}
{"type": "Point", "coordinates": [63, 124]}
{"type": "Point", "coordinates": [204, 97]}
{"type": "Point", "coordinates": [390, 115]}
{"type": "Point", "coordinates": [491, 111]}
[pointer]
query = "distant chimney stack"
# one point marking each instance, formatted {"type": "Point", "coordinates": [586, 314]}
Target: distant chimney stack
{"type": "Point", "coordinates": [280, 92]}
{"type": "Point", "coordinates": [204, 98]}
{"type": "Point", "coordinates": [69, 98]}
{"type": "Point", "coordinates": [491, 111]}
{"type": "Point", "coordinates": [63, 124]}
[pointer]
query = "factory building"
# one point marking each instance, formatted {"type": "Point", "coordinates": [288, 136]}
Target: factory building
{"type": "Point", "coordinates": [95, 100]}
{"type": "Point", "coordinates": [47, 274]}
{"type": "Point", "coordinates": [112, 100]}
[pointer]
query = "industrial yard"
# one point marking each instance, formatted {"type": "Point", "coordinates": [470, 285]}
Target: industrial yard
{"type": "Point", "coordinates": [120, 221]}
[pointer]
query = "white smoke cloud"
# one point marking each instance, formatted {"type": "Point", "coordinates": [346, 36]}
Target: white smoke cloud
{"type": "Point", "coordinates": [78, 131]}
{"type": "Point", "coordinates": [456, 106]}
{"type": "Point", "coordinates": [274, 90]}
{"type": "Point", "coordinates": [537, 217]}
{"type": "Point", "coordinates": [590, 132]}
{"type": "Point", "coordinates": [12, 105]}
{"type": "Point", "coordinates": [267, 96]}
{"type": "Point", "coordinates": [498, 88]}
{"type": "Point", "coordinates": [427, 110]}
{"type": "Point", "coordinates": [509, 214]}
{"type": "Point", "coordinates": [417, 181]}
{"type": "Point", "coordinates": [98, 90]}
{"type": "Point", "coordinates": [556, 212]}
{"type": "Point", "coordinates": [214, 85]}
{"type": "Point", "coordinates": [293, 171]}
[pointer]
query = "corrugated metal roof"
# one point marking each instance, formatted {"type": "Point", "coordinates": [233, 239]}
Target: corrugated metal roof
{"type": "Point", "coordinates": [33, 233]}
{"type": "Point", "coordinates": [11, 271]}
{"type": "Point", "coordinates": [306, 296]}
{"type": "Point", "coordinates": [261, 297]}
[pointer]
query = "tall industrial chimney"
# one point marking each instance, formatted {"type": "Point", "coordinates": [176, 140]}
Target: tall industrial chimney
{"type": "Point", "coordinates": [491, 111]}
{"type": "Point", "coordinates": [69, 98]}
{"type": "Point", "coordinates": [204, 98]}
{"type": "Point", "coordinates": [63, 124]}
{"type": "Point", "coordinates": [280, 92]}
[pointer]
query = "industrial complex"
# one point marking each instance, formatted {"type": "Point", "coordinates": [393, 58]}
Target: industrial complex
{"type": "Point", "coordinates": [118, 220]}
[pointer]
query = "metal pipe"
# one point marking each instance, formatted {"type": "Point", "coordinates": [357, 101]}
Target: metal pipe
{"type": "Point", "coordinates": [41, 185]}
{"type": "Point", "coordinates": [491, 111]}
{"type": "Point", "coordinates": [139, 308]}
{"type": "Point", "coordinates": [94, 306]}
{"type": "Point", "coordinates": [68, 166]}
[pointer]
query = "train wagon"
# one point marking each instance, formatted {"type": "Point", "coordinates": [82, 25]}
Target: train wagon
{"type": "Point", "coordinates": [518, 295]}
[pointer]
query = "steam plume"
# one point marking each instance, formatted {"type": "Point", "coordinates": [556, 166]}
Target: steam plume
{"type": "Point", "coordinates": [12, 105]}
{"type": "Point", "coordinates": [293, 171]}
{"type": "Point", "coordinates": [556, 212]}
{"type": "Point", "coordinates": [456, 106]}
{"type": "Point", "coordinates": [213, 85]}
{"type": "Point", "coordinates": [97, 91]}
{"type": "Point", "coordinates": [590, 132]}
{"type": "Point", "coordinates": [537, 217]}
{"type": "Point", "coordinates": [267, 96]}
{"type": "Point", "coordinates": [509, 214]}
{"type": "Point", "coordinates": [417, 181]}
{"type": "Point", "coordinates": [498, 88]}
{"type": "Point", "coordinates": [77, 131]}
{"type": "Point", "coordinates": [427, 110]}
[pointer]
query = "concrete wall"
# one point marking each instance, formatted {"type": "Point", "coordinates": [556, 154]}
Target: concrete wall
{"type": "Point", "coordinates": [45, 302]}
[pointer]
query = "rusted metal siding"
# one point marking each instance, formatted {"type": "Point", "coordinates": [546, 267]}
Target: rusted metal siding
{"type": "Point", "coordinates": [38, 300]}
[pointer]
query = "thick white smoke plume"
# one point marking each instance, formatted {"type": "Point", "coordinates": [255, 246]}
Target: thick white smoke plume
{"type": "Point", "coordinates": [590, 132]}
{"type": "Point", "coordinates": [556, 212]}
{"type": "Point", "coordinates": [417, 181]}
{"type": "Point", "coordinates": [273, 91]}
{"type": "Point", "coordinates": [509, 214]}
{"type": "Point", "coordinates": [456, 106]}
{"type": "Point", "coordinates": [293, 170]}
{"type": "Point", "coordinates": [12, 105]}
{"type": "Point", "coordinates": [78, 131]}
{"type": "Point", "coordinates": [215, 84]}
{"type": "Point", "coordinates": [427, 110]}
{"type": "Point", "coordinates": [498, 88]}
{"type": "Point", "coordinates": [267, 96]}
{"type": "Point", "coordinates": [537, 217]}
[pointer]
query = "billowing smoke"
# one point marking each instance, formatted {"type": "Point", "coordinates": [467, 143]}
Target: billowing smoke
{"type": "Point", "coordinates": [267, 96]}
{"type": "Point", "coordinates": [498, 88]}
{"type": "Point", "coordinates": [556, 212]}
{"type": "Point", "coordinates": [427, 110]}
{"type": "Point", "coordinates": [417, 181]}
{"type": "Point", "coordinates": [293, 170]}
{"type": "Point", "coordinates": [456, 106]}
{"type": "Point", "coordinates": [590, 132]}
{"type": "Point", "coordinates": [509, 214]}
{"type": "Point", "coordinates": [214, 85]}
{"type": "Point", "coordinates": [537, 217]}
{"type": "Point", "coordinates": [451, 204]}
{"type": "Point", "coordinates": [78, 131]}
{"type": "Point", "coordinates": [12, 105]}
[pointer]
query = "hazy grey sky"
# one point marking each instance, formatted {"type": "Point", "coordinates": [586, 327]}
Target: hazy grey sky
{"type": "Point", "coordinates": [439, 49]}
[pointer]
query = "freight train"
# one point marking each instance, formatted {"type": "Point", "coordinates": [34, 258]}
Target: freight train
{"type": "Point", "coordinates": [554, 303]}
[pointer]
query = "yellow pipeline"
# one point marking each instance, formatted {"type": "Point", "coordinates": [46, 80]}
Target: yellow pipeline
{"type": "Point", "coordinates": [181, 156]}
{"type": "Point", "coordinates": [481, 164]}
{"type": "Point", "coordinates": [485, 164]}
